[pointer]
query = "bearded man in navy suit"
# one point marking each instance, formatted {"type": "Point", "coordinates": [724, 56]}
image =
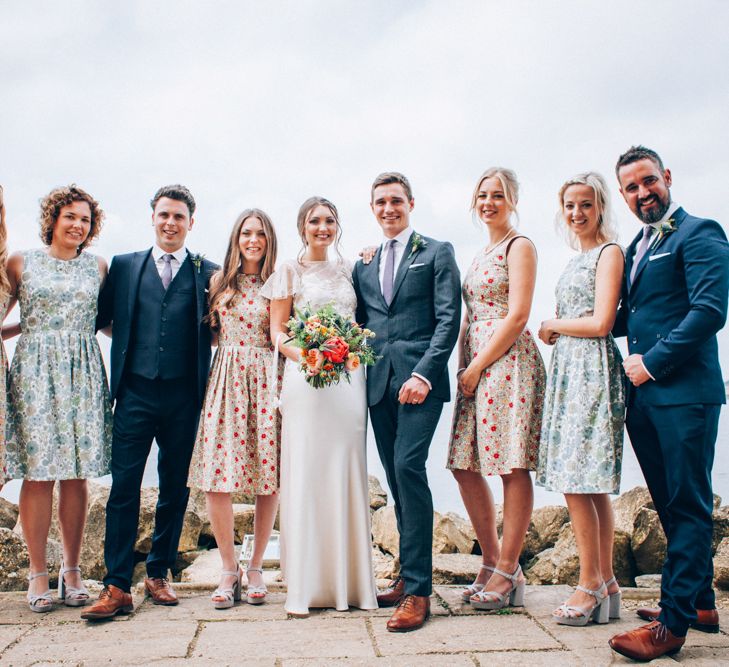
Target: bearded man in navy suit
{"type": "Point", "coordinates": [674, 302]}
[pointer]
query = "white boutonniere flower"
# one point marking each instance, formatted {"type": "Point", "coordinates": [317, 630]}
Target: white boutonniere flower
{"type": "Point", "coordinates": [664, 229]}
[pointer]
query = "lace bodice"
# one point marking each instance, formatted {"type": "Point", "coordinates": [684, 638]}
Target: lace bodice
{"type": "Point", "coordinates": [314, 284]}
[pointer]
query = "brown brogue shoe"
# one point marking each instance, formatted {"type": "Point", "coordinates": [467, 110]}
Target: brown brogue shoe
{"type": "Point", "coordinates": [159, 589]}
{"type": "Point", "coordinates": [112, 601]}
{"type": "Point", "coordinates": [707, 620]}
{"type": "Point", "coordinates": [393, 595]}
{"type": "Point", "coordinates": [647, 642]}
{"type": "Point", "coordinates": [410, 614]}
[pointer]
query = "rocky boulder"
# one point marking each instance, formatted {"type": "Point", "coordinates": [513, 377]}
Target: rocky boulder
{"type": "Point", "coordinates": [8, 514]}
{"type": "Point", "coordinates": [455, 568]}
{"type": "Point", "coordinates": [378, 497]}
{"type": "Point", "coordinates": [385, 566]}
{"type": "Point", "coordinates": [384, 530]}
{"type": "Point", "coordinates": [544, 528]}
{"type": "Point", "coordinates": [648, 542]}
{"type": "Point", "coordinates": [627, 505]}
{"type": "Point", "coordinates": [14, 561]}
{"type": "Point", "coordinates": [721, 526]}
{"type": "Point", "coordinates": [721, 565]}
{"type": "Point", "coordinates": [452, 534]}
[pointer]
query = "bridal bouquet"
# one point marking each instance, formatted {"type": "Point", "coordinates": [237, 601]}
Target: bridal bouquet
{"type": "Point", "coordinates": [332, 346]}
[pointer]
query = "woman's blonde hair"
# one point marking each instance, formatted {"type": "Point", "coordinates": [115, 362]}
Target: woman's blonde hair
{"type": "Point", "coordinates": [305, 211]}
{"type": "Point", "coordinates": [4, 282]}
{"type": "Point", "coordinates": [55, 200]}
{"type": "Point", "coordinates": [509, 184]}
{"type": "Point", "coordinates": [224, 284]}
{"type": "Point", "coordinates": [606, 228]}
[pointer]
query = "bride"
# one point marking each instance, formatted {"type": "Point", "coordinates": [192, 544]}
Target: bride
{"type": "Point", "coordinates": [325, 521]}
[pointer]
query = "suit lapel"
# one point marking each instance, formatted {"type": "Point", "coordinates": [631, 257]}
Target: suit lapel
{"type": "Point", "coordinates": [372, 274]}
{"type": "Point", "coordinates": [678, 216]}
{"type": "Point", "coordinates": [135, 276]}
{"type": "Point", "coordinates": [407, 259]}
{"type": "Point", "coordinates": [199, 288]}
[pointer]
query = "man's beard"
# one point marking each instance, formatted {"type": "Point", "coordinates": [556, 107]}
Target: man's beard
{"type": "Point", "coordinates": [654, 214]}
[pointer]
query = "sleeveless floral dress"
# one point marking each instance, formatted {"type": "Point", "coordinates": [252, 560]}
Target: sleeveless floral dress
{"type": "Point", "coordinates": [498, 429]}
{"type": "Point", "coordinates": [59, 415]}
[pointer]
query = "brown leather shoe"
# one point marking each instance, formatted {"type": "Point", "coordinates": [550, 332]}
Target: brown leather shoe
{"type": "Point", "coordinates": [707, 619]}
{"type": "Point", "coordinates": [112, 601]}
{"type": "Point", "coordinates": [393, 595]}
{"type": "Point", "coordinates": [159, 589]}
{"type": "Point", "coordinates": [647, 642]}
{"type": "Point", "coordinates": [410, 614]}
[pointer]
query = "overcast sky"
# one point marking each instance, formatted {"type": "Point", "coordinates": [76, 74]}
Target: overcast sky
{"type": "Point", "coordinates": [264, 104]}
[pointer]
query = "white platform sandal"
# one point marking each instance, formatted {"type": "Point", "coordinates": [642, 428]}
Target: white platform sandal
{"type": "Point", "coordinates": [229, 595]}
{"type": "Point", "coordinates": [615, 599]}
{"type": "Point", "coordinates": [474, 587]}
{"type": "Point", "coordinates": [35, 601]}
{"type": "Point", "coordinates": [579, 616]}
{"type": "Point", "coordinates": [255, 594]}
{"type": "Point", "coordinates": [490, 600]}
{"type": "Point", "coordinates": [71, 596]}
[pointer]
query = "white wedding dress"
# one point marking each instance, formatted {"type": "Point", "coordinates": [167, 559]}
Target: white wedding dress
{"type": "Point", "coordinates": [326, 553]}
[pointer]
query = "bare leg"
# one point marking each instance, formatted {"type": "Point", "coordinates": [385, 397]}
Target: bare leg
{"type": "Point", "coordinates": [518, 503]}
{"type": "Point", "coordinates": [585, 526]}
{"type": "Point", "coordinates": [479, 503]}
{"type": "Point", "coordinates": [73, 501]}
{"type": "Point", "coordinates": [266, 508]}
{"type": "Point", "coordinates": [36, 503]}
{"type": "Point", "coordinates": [220, 511]}
{"type": "Point", "coordinates": [606, 518]}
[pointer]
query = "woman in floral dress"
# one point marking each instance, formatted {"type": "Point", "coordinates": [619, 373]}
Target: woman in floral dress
{"type": "Point", "coordinates": [497, 416]}
{"type": "Point", "coordinates": [238, 442]}
{"type": "Point", "coordinates": [4, 296]}
{"type": "Point", "coordinates": [59, 416]}
{"type": "Point", "coordinates": [584, 408]}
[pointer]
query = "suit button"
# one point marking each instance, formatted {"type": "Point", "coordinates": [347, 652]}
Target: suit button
{"type": "Point", "coordinates": [161, 349]}
{"type": "Point", "coordinates": [124, 351]}
{"type": "Point", "coordinates": [163, 334]}
{"type": "Point", "coordinates": [164, 319]}
{"type": "Point", "coordinates": [164, 305]}
{"type": "Point", "coordinates": [632, 310]}
{"type": "Point", "coordinates": [634, 341]}
{"type": "Point", "coordinates": [390, 315]}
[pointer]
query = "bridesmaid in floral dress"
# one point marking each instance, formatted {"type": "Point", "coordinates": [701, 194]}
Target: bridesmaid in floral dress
{"type": "Point", "coordinates": [59, 416]}
{"type": "Point", "coordinates": [584, 407]}
{"type": "Point", "coordinates": [238, 442]}
{"type": "Point", "coordinates": [498, 411]}
{"type": "Point", "coordinates": [4, 297]}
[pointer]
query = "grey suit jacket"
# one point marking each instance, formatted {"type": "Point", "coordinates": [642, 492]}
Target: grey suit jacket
{"type": "Point", "coordinates": [417, 331]}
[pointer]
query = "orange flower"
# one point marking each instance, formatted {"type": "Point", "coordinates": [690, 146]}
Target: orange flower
{"type": "Point", "coordinates": [314, 360]}
{"type": "Point", "coordinates": [336, 349]}
{"type": "Point", "coordinates": [352, 363]}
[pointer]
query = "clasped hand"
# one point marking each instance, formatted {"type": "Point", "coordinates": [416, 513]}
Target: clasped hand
{"type": "Point", "coordinates": [468, 381]}
{"type": "Point", "coordinates": [413, 391]}
{"type": "Point", "coordinates": [635, 369]}
{"type": "Point", "coordinates": [547, 334]}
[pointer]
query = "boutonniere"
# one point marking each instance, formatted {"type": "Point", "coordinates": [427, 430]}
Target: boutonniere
{"type": "Point", "coordinates": [197, 260]}
{"type": "Point", "coordinates": [417, 243]}
{"type": "Point", "coordinates": [664, 229]}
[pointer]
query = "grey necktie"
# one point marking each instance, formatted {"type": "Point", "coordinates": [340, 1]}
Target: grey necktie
{"type": "Point", "coordinates": [642, 249]}
{"type": "Point", "coordinates": [167, 270]}
{"type": "Point", "coordinates": [388, 278]}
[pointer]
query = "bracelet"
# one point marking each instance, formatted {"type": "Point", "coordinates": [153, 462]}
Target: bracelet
{"type": "Point", "coordinates": [459, 371]}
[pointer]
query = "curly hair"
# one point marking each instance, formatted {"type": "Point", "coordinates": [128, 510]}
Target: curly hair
{"type": "Point", "coordinates": [4, 282]}
{"type": "Point", "coordinates": [55, 200]}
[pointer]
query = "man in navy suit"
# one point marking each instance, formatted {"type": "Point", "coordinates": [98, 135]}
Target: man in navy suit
{"type": "Point", "coordinates": [674, 302]}
{"type": "Point", "coordinates": [160, 357]}
{"type": "Point", "coordinates": [410, 296]}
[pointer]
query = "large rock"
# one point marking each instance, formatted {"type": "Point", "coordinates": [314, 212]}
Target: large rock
{"type": "Point", "coordinates": [8, 514]}
{"type": "Point", "coordinates": [14, 561]}
{"type": "Point", "coordinates": [561, 564]}
{"type": "Point", "coordinates": [721, 526]}
{"type": "Point", "coordinates": [191, 527]}
{"type": "Point", "coordinates": [204, 570]}
{"type": "Point", "coordinates": [455, 568]}
{"type": "Point", "coordinates": [378, 497]}
{"type": "Point", "coordinates": [453, 534]}
{"type": "Point", "coordinates": [243, 519]}
{"type": "Point", "coordinates": [544, 528]}
{"type": "Point", "coordinates": [648, 542]}
{"type": "Point", "coordinates": [384, 530]}
{"type": "Point", "coordinates": [721, 565]}
{"type": "Point", "coordinates": [385, 566]}
{"type": "Point", "coordinates": [627, 505]}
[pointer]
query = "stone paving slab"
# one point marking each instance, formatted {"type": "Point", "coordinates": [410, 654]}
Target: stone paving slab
{"type": "Point", "coordinates": [200, 608]}
{"type": "Point", "coordinates": [450, 660]}
{"type": "Point", "coordinates": [296, 638]}
{"type": "Point", "coordinates": [466, 634]}
{"type": "Point", "coordinates": [130, 643]}
{"type": "Point", "coordinates": [14, 610]}
{"type": "Point", "coordinates": [9, 634]}
{"type": "Point", "coordinates": [597, 657]}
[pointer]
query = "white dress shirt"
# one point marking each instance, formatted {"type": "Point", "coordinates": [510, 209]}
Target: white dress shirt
{"type": "Point", "coordinates": [403, 238]}
{"type": "Point", "coordinates": [672, 208]}
{"type": "Point", "coordinates": [175, 263]}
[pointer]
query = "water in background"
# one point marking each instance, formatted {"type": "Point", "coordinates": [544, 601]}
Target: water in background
{"type": "Point", "coordinates": [445, 491]}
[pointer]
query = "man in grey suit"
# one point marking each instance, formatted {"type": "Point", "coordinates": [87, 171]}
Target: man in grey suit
{"type": "Point", "coordinates": [409, 295]}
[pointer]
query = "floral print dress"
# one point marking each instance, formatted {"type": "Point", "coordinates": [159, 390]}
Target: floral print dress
{"type": "Point", "coordinates": [584, 406]}
{"type": "Point", "coordinates": [59, 415]}
{"type": "Point", "coordinates": [498, 429]}
{"type": "Point", "coordinates": [3, 398]}
{"type": "Point", "coordinates": [238, 440]}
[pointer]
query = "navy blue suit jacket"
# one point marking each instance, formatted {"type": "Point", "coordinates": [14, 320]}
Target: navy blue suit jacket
{"type": "Point", "coordinates": [673, 309]}
{"type": "Point", "coordinates": [117, 303]}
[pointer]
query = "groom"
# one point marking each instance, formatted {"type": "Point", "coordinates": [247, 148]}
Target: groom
{"type": "Point", "coordinates": [674, 302]}
{"type": "Point", "coordinates": [160, 356]}
{"type": "Point", "coordinates": [409, 295]}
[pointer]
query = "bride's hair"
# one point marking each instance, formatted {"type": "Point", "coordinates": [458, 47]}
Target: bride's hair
{"type": "Point", "coordinates": [224, 283]}
{"type": "Point", "coordinates": [305, 213]}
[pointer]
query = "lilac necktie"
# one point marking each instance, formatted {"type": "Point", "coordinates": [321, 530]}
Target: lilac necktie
{"type": "Point", "coordinates": [642, 249]}
{"type": "Point", "coordinates": [388, 278]}
{"type": "Point", "coordinates": [167, 270]}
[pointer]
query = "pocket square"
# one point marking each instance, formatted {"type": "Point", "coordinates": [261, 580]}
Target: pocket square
{"type": "Point", "coordinates": [663, 254]}
{"type": "Point", "coordinates": [415, 266]}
